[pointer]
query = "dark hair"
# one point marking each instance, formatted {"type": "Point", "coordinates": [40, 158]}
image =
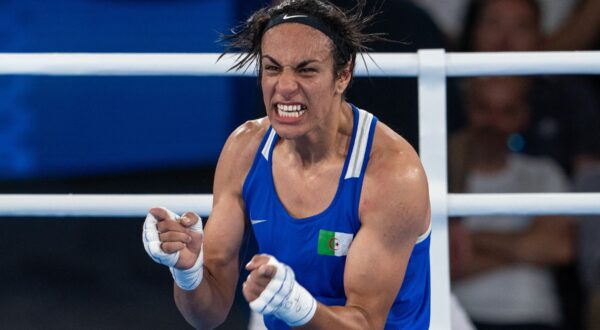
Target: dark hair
{"type": "Point", "coordinates": [473, 16]}
{"type": "Point", "coordinates": [348, 25]}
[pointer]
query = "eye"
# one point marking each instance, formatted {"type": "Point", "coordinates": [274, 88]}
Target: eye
{"type": "Point", "coordinates": [271, 68]}
{"type": "Point", "coordinates": [307, 70]}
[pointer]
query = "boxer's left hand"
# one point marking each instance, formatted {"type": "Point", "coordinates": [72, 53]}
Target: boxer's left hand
{"type": "Point", "coordinates": [271, 288]}
{"type": "Point", "coordinates": [260, 275]}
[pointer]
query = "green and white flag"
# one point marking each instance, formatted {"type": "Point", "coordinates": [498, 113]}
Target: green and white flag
{"type": "Point", "coordinates": [332, 243]}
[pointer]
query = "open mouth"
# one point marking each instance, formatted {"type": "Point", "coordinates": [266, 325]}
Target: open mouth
{"type": "Point", "coordinates": [291, 110]}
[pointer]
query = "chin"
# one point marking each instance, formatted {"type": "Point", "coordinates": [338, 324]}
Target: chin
{"type": "Point", "coordinates": [288, 130]}
{"type": "Point", "coordinates": [288, 133]}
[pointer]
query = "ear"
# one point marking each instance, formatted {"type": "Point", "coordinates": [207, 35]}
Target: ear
{"type": "Point", "coordinates": [344, 79]}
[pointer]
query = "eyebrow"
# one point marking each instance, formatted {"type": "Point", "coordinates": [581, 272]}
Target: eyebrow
{"type": "Point", "coordinates": [300, 65]}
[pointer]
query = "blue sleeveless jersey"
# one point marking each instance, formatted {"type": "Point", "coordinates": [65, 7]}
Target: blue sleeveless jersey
{"type": "Point", "coordinates": [316, 247]}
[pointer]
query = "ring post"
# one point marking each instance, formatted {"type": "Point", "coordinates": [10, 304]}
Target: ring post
{"type": "Point", "coordinates": [432, 150]}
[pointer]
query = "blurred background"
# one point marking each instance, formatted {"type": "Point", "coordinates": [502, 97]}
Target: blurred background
{"type": "Point", "coordinates": [106, 135]}
{"type": "Point", "coordinates": [115, 135]}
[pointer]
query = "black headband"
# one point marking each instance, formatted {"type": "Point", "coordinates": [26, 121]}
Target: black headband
{"type": "Point", "coordinates": [312, 22]}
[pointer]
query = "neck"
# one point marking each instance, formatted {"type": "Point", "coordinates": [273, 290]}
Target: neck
{"type": "Point", "coordinates": [488, 152]}
{"type": "Point", "coordinates": [329, 139]}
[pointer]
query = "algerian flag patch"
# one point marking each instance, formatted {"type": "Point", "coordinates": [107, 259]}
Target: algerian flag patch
{"type": "Point", "coordinates": [333, 243]}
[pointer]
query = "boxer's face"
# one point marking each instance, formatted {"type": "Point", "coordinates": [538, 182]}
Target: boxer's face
{"type": "Point", "coordinates": [300, 90]}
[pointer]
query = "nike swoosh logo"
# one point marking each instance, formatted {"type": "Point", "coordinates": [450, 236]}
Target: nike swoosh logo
{"type": "Point", "coordinates": [256, 221]}
{"type": "Point", "coordinates": [288, 17]}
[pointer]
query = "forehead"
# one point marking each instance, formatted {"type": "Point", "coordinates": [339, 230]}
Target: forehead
{"type": "Point", "coordinates": [512, 8]}
{"type": "Point", "coordinates": [293, 42]}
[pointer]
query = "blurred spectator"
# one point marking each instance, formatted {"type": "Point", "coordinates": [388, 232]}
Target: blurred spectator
{"type": "Point", "coordinates": [564, 111]}
{"type": "Point", "coordinates": [580, 31]}
{"type": "Point", "coordinates": [450, 15]}
{"type": "Point", "coordinates": [588, 180]}
{"type": "Point", "coordinates": [563, 120]}
{"type": "Point", "coordinates": [501, 266]}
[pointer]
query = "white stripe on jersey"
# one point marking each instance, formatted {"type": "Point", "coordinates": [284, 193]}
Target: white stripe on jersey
{"type": "Point", "coordinates": [359, 148]}
{"type": "Point", "coordinates": [267, 147]}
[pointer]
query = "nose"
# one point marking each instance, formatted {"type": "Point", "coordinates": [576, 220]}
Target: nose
{"type": "Point", "coordinates": [287, 85]}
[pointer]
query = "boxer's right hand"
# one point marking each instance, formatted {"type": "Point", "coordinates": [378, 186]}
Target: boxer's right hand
{"type": "Point", "coordinates": [175, 242]}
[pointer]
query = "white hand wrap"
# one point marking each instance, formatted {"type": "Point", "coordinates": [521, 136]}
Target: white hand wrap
{"type": "Point", "coordinates": [187, 279]}
{"type": "Point", "coordinates": [285, 298]}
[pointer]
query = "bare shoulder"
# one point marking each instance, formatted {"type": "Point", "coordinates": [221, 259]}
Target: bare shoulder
{"type": "Point", "coordinates": [238, 153]}
{"type": "Point", "coordinates": [393, 158]}
{"type": "Point", "coordinates": [244, 140]}
{"type": "Point", "coordinates": [395, 187]}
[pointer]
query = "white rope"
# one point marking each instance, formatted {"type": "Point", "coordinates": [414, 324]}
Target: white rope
{"type": "Point", "coordinates": [21, 205]}
{"type": "Point", "coordinates": [384, 65]}
{"type": "Point", "coordinates": [522, 63]}
{"type": "Point", "coordinates": [116, 64]}
{"type": "Point", "coordinates": [524, 204]}
{"type": "Point", "coordinates": [34, 205]}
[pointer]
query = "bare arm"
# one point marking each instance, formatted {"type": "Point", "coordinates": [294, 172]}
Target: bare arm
{"type": "Point", "coordinates": [208, 305]}
{"type": "Point", "coordinates": [464, 261]}
{"type": "Point", "coordinates": [394, 211]}
{"type": "Point", "coordinates": [548, 242]}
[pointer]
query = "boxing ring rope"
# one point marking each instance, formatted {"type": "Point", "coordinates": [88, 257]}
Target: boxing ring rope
{"type": "Point", "coordinates": [136, 205]}
{"type": "Point", "coordinates": [387, 64]}
{"type": "Point", "coordinates": [431, 67]}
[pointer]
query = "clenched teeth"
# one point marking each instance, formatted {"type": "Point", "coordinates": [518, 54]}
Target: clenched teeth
{"type": "Point", "coordinates": [290, 107]}
{"type": "Point", "coordinates": [289, 110]}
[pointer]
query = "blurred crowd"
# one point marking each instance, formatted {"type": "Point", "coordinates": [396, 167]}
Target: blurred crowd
{"type": "Point", "coordinates": [508, 135]}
